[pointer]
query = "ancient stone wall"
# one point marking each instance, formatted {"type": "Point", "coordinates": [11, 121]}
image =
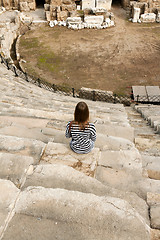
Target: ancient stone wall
{"type": "Point", "coordinates": [147, 6]}
{"type": "Point", "coordinates": [22, 5]}
{"type": "Point", "coordinates": [59, 9]}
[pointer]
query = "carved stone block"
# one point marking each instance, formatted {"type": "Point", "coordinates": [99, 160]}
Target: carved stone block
{"type": "Point", "coordinates": [24, 6]}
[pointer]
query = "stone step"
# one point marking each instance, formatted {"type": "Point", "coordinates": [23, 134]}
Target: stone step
{"type": "Point", "coordinates": [152, 114]}
{"type": "Point", "coordinates": [46, 130]}
{"type": "Point", "coordinates": [148, 145]}
{"type": "Point", "coordinates": [155, 234]}
{"type": "Point", "coordinates": [62, 154]}
{"type": "Point", "coordinates": [23, 146]}
{"type": "Point", "coordinates": [12, 105]}
{"type": "Point", "coordinates": [64, 177]}
{"type": "Point", "coordinates": [105, 142]}
{"type": "Point", "coordinates": [124, 181]}
{"type": "Point", "coordinates": [24, 132]}
{"type": "Point", "coordinates": [14, 167]}
{"type": "Point", "coordinates": [141, 127]}
{"type": "Point", "coordinates": [152, 165]}
{"type": "Point", "coordinates": [19, 86]}
{"type": "Point", "coordinates": [43, 213]}
{"type": "Point", "coordinates": [116, 131]}
{"type": "Point", "coordinates": [34, 113]}
{"type": "Point", "coordinates": [153, 201]}
{"type": "Point", "coordinates": [8, 196]}
{"type": "Point", "coordinates": [128, 160]}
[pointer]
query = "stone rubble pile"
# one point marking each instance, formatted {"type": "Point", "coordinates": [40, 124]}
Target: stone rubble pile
{"type": "Point", "coordinates": [143, 12]}
{"type": "Point", "coordinates": [76, 23]}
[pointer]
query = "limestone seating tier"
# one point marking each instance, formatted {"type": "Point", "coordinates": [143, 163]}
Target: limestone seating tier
{"type": "Point", "coordinates": [49, 189]}
{"type": "Point", "coordinates": [46, 213]}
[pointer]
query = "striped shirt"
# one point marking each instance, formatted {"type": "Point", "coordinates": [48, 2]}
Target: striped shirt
{"type": "Point", "coordinates": [82, 140]}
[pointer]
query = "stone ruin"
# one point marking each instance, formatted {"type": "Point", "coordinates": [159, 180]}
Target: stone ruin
{"type": "Point", "coordinates": [145, 11]}
{"type": "Point", "coordinates": [89, 12]}
{"type": "Point", "coordinates": [80, 14]}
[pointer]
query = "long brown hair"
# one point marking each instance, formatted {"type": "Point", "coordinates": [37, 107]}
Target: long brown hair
{"type": "Point", "coordinates": [81, 115]}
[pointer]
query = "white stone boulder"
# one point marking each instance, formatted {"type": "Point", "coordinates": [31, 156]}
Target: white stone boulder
{"type": "Point", "coordinates": [74, 20]}
{"type": "Point", "coordinates": [148, 17]}
{"type": "Point", "coordinates": [136, 14]}
{"type": "Point", "coordinates": [24, 6]}
{"type": "Point", "coordinates": [104, 4]}
{"type": "Point", "coordinates": [88, 4]}
{"type": "Point", "coordinates": [94, 19]}
{"type": "Point", "coordinates": [51, 24]}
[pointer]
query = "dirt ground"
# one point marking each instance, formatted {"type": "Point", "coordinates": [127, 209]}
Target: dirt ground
{"type": "Point", "coordinates": [111, 59]}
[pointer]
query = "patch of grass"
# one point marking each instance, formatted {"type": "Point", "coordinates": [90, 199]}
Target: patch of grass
{"type": "Point", "coordinates": [49, 61]}
{"type": "Point", "coordinates": [29, 43]}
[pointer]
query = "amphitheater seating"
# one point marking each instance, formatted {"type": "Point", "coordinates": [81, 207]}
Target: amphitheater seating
{"type": "Point", "coordinates": [152, 114]}
{"type": "Point", "coordinates": [49, 192]}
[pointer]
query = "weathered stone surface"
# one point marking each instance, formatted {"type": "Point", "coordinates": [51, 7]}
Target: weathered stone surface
{"type": "Point", "coordinates": [136, 14]}
{"type": "Point", "coordinates": [117, 178]}
{"type": "Point", "coordinates": [153, 198]}
{"type": "Point", "coordinates": [64, 177]}
{"type": "Point", "coordinates": [74, 215]}
{"type": "Point", "coordinates": [145, 143]}
{"type": "Point", "coordinates": [116, 131]}
{"type": "Point", "coordinates": [68, 2]}
{"type": "Point", "coordinates": [22, 146]}
{"type": "Point", "coordinates": [60, 153]}
{"type": "Point", "coordinates": [46, 7]}
{"type": "Point", "coordinates": [14, 167]}
{"type": "Point", "coordinates": [32, 5]}
{"type": "Point", "coordinates": [88, 4]}
{"type": "Point", "coordinates": [74, 20]}
{"type": "Point", "coordinates": [48, 16]}
{"type": "Point", "coordinates": [154, 214]}
{"type": "Point", "coordinates": [8, 195]}
{"type": "Point", "coordinates": [24, 132]}
{"type": "Point", "coordinates": [122, 180]}
{"type": "Point", "coordinates": [62, 15]}
{"type": "Point", "coordinates": [36, 113]}
{"type": "Point", "coordinates": [105, 142]}
{"type": "Point", "coordinates": [106, 4]}
{"type": "Point", "coordinates": [87, 93]}
{"type": "Point", "coordinates": [129, 160]}
{"type": "Point", "coordinates": [148, 17]}
{"type": "Point", "coordinates": [155, 234]}
{"type": "Point", "coordinates": [158, 18]}
{"type": "Point", "coordinates": [94, 19]}
{"type": "Point", "coordinates": [152, 165]}
{"type": "Point", "coordinates": [67, 8]}
{"type": "Point", "coordinates": [7, 4]}
{"type": "Point", "coordinates": [24, 6]}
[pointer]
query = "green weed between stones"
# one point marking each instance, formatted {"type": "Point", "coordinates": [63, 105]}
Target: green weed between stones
{"type": "Point", "coordinates": [49, 61]}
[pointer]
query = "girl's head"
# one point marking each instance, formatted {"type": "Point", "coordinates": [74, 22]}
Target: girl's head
{"type": "Point", "coordinates": [81, 114]}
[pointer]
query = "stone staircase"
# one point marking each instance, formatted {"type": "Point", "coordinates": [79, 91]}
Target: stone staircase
{"type": "Point", "coordinates": [49, 192]}
{"type": "Point", "coordinates": [147, 141]}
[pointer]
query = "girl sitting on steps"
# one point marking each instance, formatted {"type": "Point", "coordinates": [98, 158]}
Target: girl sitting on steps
{"type": "Point", "coordinates": [82, 132]}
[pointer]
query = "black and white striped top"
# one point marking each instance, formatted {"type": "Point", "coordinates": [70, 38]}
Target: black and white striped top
{"type": "Point", "coordinates": [82, 140]}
